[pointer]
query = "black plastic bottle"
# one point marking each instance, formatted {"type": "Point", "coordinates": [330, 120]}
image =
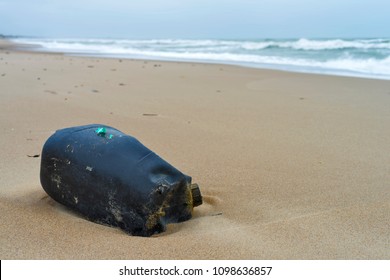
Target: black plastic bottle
{"type": "Point", "coordinates": [111, 178]}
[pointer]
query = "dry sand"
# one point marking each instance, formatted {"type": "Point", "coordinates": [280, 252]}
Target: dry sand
{"type": "Point", "coordinates": [291, 166]}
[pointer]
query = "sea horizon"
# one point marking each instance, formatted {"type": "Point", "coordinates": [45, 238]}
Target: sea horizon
{"type": "Point", "coordinates": [356, 57]}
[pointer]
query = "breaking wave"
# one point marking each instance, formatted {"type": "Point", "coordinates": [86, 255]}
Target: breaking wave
{"type": "Point", "coordinates": [354, 57]}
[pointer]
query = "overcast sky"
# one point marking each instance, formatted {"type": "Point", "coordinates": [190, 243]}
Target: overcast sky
{"type": "Point", "coordinates": [196, 18]}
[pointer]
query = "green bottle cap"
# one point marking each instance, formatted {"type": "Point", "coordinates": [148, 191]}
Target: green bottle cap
{"type": "Point", "coordinates": [101, 131]}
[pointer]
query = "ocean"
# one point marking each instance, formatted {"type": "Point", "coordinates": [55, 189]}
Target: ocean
{"type": "Point", "coordinates": [346, 57]}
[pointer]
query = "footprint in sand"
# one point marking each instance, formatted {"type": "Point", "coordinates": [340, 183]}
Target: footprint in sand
{"type": "Point", "coordinates": [150, 115]}
{"type": "Point", "coordinates": [51, 91]}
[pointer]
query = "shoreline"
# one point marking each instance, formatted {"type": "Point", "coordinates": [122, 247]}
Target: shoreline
{"type": "Point", "coordinates": [290, 165]}
{"type": "Point", "coordinates": [273, 67]}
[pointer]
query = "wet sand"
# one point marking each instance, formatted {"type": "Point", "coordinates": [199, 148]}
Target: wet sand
{"type": "Point", "coordinates": [291, 166]}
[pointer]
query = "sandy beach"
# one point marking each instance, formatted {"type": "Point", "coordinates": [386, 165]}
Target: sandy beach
{"type": "Point", "coordinates": [290, 165]}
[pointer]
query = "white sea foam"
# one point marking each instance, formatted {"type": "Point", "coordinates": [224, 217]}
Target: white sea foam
{"type": "Point", "coordinates": [304, 44]}
{"type": "Point", "coordinates": [359, 57]}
